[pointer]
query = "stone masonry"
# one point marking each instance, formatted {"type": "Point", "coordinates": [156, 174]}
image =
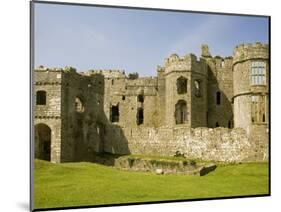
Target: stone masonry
{"type": "Point", "coordinates": [211, 108]}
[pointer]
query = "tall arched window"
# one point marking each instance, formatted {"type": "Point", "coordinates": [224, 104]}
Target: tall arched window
{"type": "Point", "coordinates": [181, 85]}
{"type": "Point", "coordinates": [181, 112]}
{"type": "Point", "coordinates": [41, 97]}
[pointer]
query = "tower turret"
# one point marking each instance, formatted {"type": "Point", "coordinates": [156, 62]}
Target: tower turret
{"type": "Point", "coordinates": [185, 91]}
{"type": "Point", "coordinates": [250, 63]}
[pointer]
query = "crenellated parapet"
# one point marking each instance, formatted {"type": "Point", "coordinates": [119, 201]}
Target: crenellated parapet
{"type": "Point", "coordinates": [176, 63]}
{"type": "Point", "coordinates": [66, 69]}
{"type": "Point", "coordinates": [245, 52]}
{"type": "Point", "coordinates": [107, 73]}
{"type": "Point", "coordinates": [222, 62]}
{"type": "Point", "coordinates": [188, 62]}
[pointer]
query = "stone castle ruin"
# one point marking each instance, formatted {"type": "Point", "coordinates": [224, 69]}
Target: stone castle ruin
{"type": "Point", "coordinates": [211, 108]}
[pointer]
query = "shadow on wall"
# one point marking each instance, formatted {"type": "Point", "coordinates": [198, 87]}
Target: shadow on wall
{"type": "Point", "coordinates": [220, 111]}
{"type": "Point", "coordinates": [96, 135]}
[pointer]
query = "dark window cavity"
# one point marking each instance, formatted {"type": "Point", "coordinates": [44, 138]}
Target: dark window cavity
{"type": "Point", "coordinates": [140, 98]}
{"type": "Point", "coordinates": [114, 113]}
{"type": "Point", "coordinates": [182, 85]}
{"type": "Point", "coordinates": [41, 97]}
{"type": "Point", "coordinates": [140, 116]}
{"type": "Point", "coordinates": [181, 112]}
{"type": "Point", "coordinates": [218, 98]}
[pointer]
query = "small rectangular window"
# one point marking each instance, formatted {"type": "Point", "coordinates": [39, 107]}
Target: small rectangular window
{"type": "Point", "coordinates": [114, 114]}
{"type": "Point", "coordinates": [41, 98]}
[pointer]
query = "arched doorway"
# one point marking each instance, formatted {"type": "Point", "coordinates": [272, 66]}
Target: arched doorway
{"type": "Point", "coordinates": [181, 112]}
{"type": "Point", "coordinates": [42, 142]}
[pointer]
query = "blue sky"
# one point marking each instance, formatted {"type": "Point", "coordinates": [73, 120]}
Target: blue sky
{"type": "Point", "coordinates": [134, 40]}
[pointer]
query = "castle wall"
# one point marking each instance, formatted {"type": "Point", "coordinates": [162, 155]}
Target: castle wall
{"type": "Point", "coordinates": [49, 114]}
{"type": "Point", "coordinates": [161, 101]}
{"type": "Point", "coordinates": [80, 124]}
{"type": "Point", "coordinates": [147, 88]}
{"type": "Point", "coordinates": [220, 80]}
{"type": "Point", "coordinates": [199, 101]}
{"type": "Point", "coordinates": [123, 92]}
{"type": "Point", "coordinates": [219, 144]}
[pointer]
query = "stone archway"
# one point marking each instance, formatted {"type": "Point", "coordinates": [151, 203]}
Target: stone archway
{"type": "Point", "coordinates": [42, 142]}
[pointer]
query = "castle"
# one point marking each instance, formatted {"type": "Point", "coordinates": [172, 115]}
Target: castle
{"type": "Point", "coordinates": [212, 108]}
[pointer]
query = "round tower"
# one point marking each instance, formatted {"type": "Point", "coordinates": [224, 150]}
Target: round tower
{"type": "Point", "coordinates": [250, 87]}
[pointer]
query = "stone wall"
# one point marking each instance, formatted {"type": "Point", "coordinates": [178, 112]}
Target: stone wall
{"type": "Point", "coordinates": [219, 144]}
{"type": "Point", "coordinates": [199, 101]}
{"type": "Point", "coordinates": [49, 114]}
{"type": "Point", "coordinates": [220, 79]}
{"type": "Point", "coordinates": [79, 126]}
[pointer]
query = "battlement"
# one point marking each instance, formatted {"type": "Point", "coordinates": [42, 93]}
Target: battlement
{"type": "Point", "coordinates": [244, 46]}
{"type": "Point", "coordinates": [176, 63]}
{"type": "Point", "coordinates": [222, 62]}
{"type": "Point", "coordinates": [66, 69]}
{"type": "Point", "coordinates": [248, 51]}
{"type": "Point", "coordinates": [174, 58]}
{"type": "Point", "coordinates": [142, 82]}
{"type": "Point", "coordinates": [107, 73]}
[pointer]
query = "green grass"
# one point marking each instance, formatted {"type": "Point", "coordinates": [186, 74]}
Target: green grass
{"type": "Point", "coordinates": [78, 184]}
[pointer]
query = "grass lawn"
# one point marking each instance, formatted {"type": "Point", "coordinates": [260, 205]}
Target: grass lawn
{"type": "Point", "coordinates": [80, 184]}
